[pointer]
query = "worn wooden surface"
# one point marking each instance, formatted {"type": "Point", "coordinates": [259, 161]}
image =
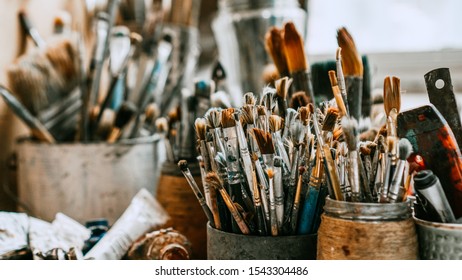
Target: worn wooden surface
{"type": "Point", "coordinates": [340, 239]}
{"type": "Point", "coordinates": [187, 216]}
{"type": "Point", "coordinates": [84, 181]}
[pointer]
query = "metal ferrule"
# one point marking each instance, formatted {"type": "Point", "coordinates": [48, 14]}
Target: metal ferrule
{"type": "Point", "coordinates": [245, 155]}
{"type": "Point", "coordinates": [294, 167]}
{"type": "Point", "coordinates": [354, 176]}
{"type": "Point", "coordinates": [211, 153]}
{"type": "Point", "coordinates": [394, 190]}
{"type": "Point", "coordinates": [232, 154]}
{"type": "Point", "coordinates": [278, 196]}
{"type": "Point", "coordinates": [273, 216]}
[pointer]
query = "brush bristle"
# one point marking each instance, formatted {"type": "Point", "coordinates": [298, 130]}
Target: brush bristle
{"type": "Point", "coordinates": [274, 46]}
{"type": "Point", "coordinates": [387, 95]}
{"type": "Point", "coordinates": [248, 115]}
{"type": "Point", "coordinates": [294, 49]}
{"type": "Point", "coordinates": [174, 115]}
{"type": "Point", "coordinates": [275, 123]}
{"type": "Point", "coordinates": [299, 99]}
{"type": "Point", "coordinates": [352, 62]}
{"type": "Point", "coordinates": [152, 112]}
{"type": "Point", "coordinates": [405, 148]}
{"type": "Point", "coordinates": [183, 165]}
{"type": "Point", "coordinates": [368, 135]}
{"type": "Point", "coordinates": [63, 56]}
{"type": "Point", "coordinates": [227, 118]}
{"type": "Point", "coordinates": [304, 115]}
{"type": "Point", "coordinates": [282, 87]}
{"type": "Point", "coordinates": [213, 180]}
{"type": "Point", "coordinates": [264, 141]}
{"type": "Point", "coordinates": [349, 127]}
{"type": "Point", "coordinates": [126, 112]}
{"type": "Point", "coordinates": [330, 120]}
{"type": "Point", "coordinates": [396, 101]}
{"type": "Point", "coordinates": [249, 98]}
{"type": "Point", "coordinates": [162, 125]}
{"type": "Point", "coordinates": [301, 170]}
{"type": "Point", "coordinates": [261, 110]}
{"type": "Point", "coordinates": [364, 150]}
{"type": "Point", "coordinates": [270, 173]}
{"type": "Point", "coordinates": [213, 118]}
{"type": "Point", "coordinates": [201, 126]}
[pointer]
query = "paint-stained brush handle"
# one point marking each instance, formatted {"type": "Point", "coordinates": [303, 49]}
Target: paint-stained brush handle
{"type": "Point", "coordinates": [37, 128]}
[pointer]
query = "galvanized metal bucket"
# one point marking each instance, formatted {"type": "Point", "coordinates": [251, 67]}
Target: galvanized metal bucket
{"type": "Point", "coordinates": [367, 231]}
{"type": "Point", "coordinates": [85, 181]}
{"type": "Point", "coordinates": [223, 245]}
{"type": "Point", "coordinates": [439, 241]}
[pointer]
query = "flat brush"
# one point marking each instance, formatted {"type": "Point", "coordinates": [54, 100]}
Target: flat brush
{"type": "Point", "coordinates": [274, 45]}
{"type": "Point", "coordinates": [210, 195]}
{"type": "Point", "coordinates": [395, 192]}
{"type": "Point", "coordinates": [296, 61]}
{"type": "Point", "coordinates": [282, 90]}
{"type": "Point", "coordinates": [353, 70]}
{"type": "Point", "coordinates": [214, 182]}
{"type": "Point", "coordinates": [276, 124]}
{"type": "Point", "coordinates": [200, 127]}
{"type": "Point", "coordinates": [37, 128]}
{"type": "Point", "coordinates": [125, 114]}
{"type": "Point", "coordinates": [278, 192]}
{"type": "Point", "coordinates": [249, 98]}
{"type": "Point", "coordinates": [245, 154]}
{"type": "Point", "coordinates": [30, 29]}
{"type": "Point", "coordinates": [183, 164]}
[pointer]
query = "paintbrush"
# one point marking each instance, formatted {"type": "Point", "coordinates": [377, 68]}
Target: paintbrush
{"type": "Point", "coordinates": [274, 45]}
{"type": "Point", "coordinates": [273, 217]}
{"type": "Point", "coordinates": [278, 192]}
{"type": "Point", "coordinates": [267, 100]}
{"type": "Point", "coordinates": [308, 209]}
{"type": "Point", "coordinates": [353, 70]}
{"type": "Point", "coordinates": [341, 79]}
{"type": "Point", "coordinates": [349, 127]}
{"type": "Point", "coordinates": [337, 94]}
{"type": "Point", "coordinates": [36, 127]}
{"type": "Point", "coordinates": [30, 29]}
{"type": "Point", "coordinates": [183, 164]}
{"type": "Point", "coordinates": [282, 90]}
{"type": "Point", "coordinates": [275, 125]}
{"type": "Point", "coordinates": [296, 203]}
{"type": "Point", "coordinates": [342, 152]}
{"type": "Point", "coordinates": [249, 98]}
{"type": "Point", "coordinates": [291, 115]}
{"type": "Point", "coordinates": [395, 192]}
{"type": "Point", "coordinates": [244, 153]}
{"type": "Point", "coordinates": [390, 164]}
{"type": "Point", "coordinates": [213, 118]}
{"type": "Point", "coordinates": [263, 187]}
{"type": "Point", "coordinates": [121, 49]}
{"type": "Point", "coordinates": [210, 195]}
{"type": "Point", "coordinates": [364, 164]}
{"type": "Point", "coordinates": [296, 61]}
{"type": "Point", "coordinates": [126, 113]}
{"type": "Point", "coordinates": [200, 126]}
{"type": "Point", "coordinates": [298, 100]}
{"type": "Point", "coordinates": [151, 113]}
{"type": "Point", "coordinates": [215, 182]}
{"type": "Point", "coordinates": [94, 74]}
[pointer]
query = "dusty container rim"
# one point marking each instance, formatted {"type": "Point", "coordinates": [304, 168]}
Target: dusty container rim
{"type": "Point", "coordinates": [444, 226]}
{"type": "Point", "coordinates": [134, 141]}
{"type": "Point", "coordinates": [259, 237]}
{"type": "Point", "coordinates": [366, 211]}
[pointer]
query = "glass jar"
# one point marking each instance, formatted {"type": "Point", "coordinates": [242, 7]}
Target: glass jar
{"type": "Point", "coordinates": [367, 231]}
{"type": "Point", "coordinates": [239, 28]}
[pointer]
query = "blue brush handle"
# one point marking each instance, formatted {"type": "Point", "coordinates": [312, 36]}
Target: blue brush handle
{"type": "Point", "coordinates": [308, 211]}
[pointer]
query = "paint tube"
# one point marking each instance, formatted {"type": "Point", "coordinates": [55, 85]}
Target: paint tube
{"type": "Point", "coordinates": [143, 214]}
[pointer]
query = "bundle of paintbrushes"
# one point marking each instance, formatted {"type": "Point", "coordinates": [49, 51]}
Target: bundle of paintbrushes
{"type": "Point", "coordinates": [126, 86]}
{"type": "Point", "coordinates": [178, 127]}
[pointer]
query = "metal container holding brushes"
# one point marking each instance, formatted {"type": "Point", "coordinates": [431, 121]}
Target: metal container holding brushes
{"type": "Point", "coordinates": [367, 231]}
{"type": "Point", "coordinates": [240, 28]}
{"type": "Point", "coordinates": [85, 181]}
{"type": "Point", "coordinates": [223, 245]}
{"type": "Point", "coordinates": [439, 241]}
